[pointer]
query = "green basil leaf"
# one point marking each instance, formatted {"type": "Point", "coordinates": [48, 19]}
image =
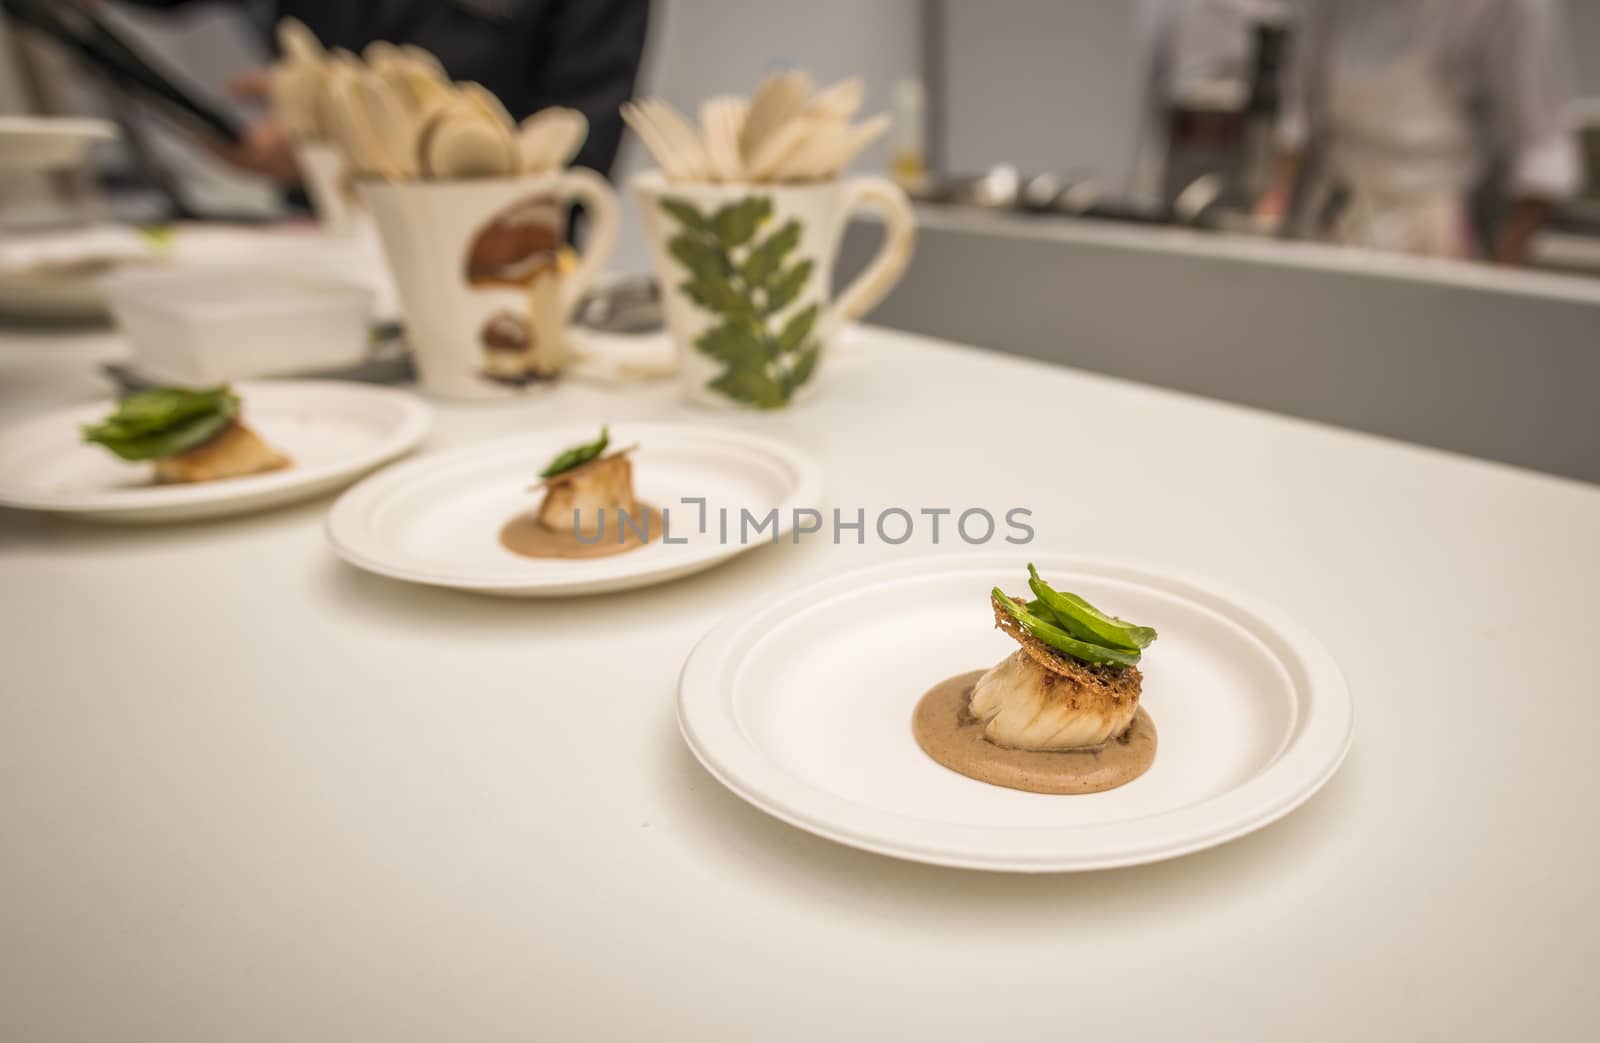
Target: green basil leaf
{"type": "Point", "coordinates": [147, 412]}
{"type": "Point", "coordinates": [1085, 622]}
{"type": "Point", "coordinates": [1060, 640]}
{"type": "Point", "coordinates": [567, 459]}
{"type": "Point", "coordinates": [163, 421]}
{"type": "Point", "coordinates": [183, 436]}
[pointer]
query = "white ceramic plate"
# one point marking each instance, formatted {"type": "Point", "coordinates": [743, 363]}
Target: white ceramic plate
{"type": "Point", "coordinates": [333, 431]}
{"type": "Point", "coordinates": [436, 519]}
{"type": "Point", "coordinates": [53, 296]}
{"type": "Point", "coordinates": [49, 143]}
{"type": "Point", "coordinates": [803, 707]}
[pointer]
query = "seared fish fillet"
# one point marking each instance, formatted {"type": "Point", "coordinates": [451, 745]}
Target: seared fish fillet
{"type": "Point", "coordinates": [233, 452]}
{"type": "Point", "coordinates": [1037, 699]}
{"type": "Point", "coordinates": [604, 483]}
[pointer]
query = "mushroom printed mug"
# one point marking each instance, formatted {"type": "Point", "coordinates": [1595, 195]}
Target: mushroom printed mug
{"type": "Point", "coordinates": [487, 283]}
{"type": "Point", "coordinates": [746, 276]}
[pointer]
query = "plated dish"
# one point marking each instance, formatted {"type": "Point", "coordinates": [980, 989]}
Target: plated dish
{"type": "Point", "coordinates": [188, 435]}
{"type": "Point", "coordinates": [481, 518]}
{"type": "Point", "coordinates": [1060, 714]}
{"type": "Point", "coordinates": [587, 507]}
{"type": "Point", "coordinates": [175, 454]}
{"type": "Point", "coordinates": [1253, 714]}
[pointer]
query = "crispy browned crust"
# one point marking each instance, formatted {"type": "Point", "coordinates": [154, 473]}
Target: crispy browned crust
{"type": "Point", "coordinates": [605, 483]}
{"type": "Point", "coordinates": [1117, 682]}
{"type": "Point", "coordinates": [233, 452]}
{"type": "Point", "coordinates": [571, 473]}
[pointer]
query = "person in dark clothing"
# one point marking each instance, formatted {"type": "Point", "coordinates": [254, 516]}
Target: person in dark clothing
{"type": "Point", "coordinates": [583, 54]}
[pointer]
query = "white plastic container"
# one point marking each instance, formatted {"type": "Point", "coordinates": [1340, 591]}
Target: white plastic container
{"type": "Point", "coordinates": [194, 326]}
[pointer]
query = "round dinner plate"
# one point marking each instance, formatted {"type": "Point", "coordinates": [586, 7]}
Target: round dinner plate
{"type": "Point", "coordinates": [803, 708]}
{"type": "Point", "coordinates": [333, 431]}
{"type": "Point", "coordinates": [436, 519]}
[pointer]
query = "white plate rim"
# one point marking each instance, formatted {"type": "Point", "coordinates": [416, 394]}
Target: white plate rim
{"type": "Point", "coordinates": [415, 421]}
{"type": "Point", "coordinates": [709, 726]}
{"type": "Point", "coordinates": [600, 575]}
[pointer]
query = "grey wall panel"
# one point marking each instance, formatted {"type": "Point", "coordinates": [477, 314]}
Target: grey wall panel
{"type": "Point", "coordinates": [1509, 377]}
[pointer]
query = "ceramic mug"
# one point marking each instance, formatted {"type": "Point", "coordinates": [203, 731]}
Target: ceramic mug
{"type": "Point", "coordinates": [746, 274]}
{"type": "Point", "coordinates": [486, 281]}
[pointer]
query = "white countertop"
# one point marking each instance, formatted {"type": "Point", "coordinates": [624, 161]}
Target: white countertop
{"type": "Point", "coordinates": [249, 793]}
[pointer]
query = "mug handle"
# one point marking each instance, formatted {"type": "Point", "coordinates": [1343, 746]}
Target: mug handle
{"type": "Point", "coordinates": [886, 267]}
{"type": "Point", "coordinates": [599, 201]}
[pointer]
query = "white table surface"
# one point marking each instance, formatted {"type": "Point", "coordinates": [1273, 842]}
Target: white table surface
{"type": "Point", "coordinates": [249, 793]}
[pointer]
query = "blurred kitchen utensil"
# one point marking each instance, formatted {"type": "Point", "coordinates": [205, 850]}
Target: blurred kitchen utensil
{"type": "Point", "coordinates": [841, 101]}
{"type": "Point", "coordinates": [783, 134]}
{"type": "Point", "coordinates": [721, 120]}
{"type": "Point", "coordinates": [394, 125]}
{"type": "Point", "coordinates": [298, 43]}
{"type": "Point", "coordinates": [550, 138]}
{"type": "Point", "coordinates": [488, 103]}
{"type": "Point", "coordinates": [464, 143]}
{"type": "Point", "coordinates": [780, 98]}
{"type": "Point", "coordinates": [680, 132]}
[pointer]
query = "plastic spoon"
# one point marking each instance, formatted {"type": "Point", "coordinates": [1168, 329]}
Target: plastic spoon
{"type": "Point", "coordinates": [549, 138]}
{"type": "Point", "coordinates": [293, 90]}
{"type": "Point", "coordinates": [394, 126]}
{"type": "Point", "coordinates": [681, 134]}
{"type": "Point", "coordinates": [464, 143]}
{"type": "Point", "coordinates": [637, 117]}
{"type": "Point", "coordinates": [424, 61]}
{"type": "Point", "coordinates": [575, 133]}
{"type": "Point", "coordinates": [298, 43]}
{"type": "Point", "coordinates": [839, 102]}
{"type": "Point", "coordinates": [721, 119]}
{"type": "Point", "coordinates": [347, 116]}
{"type": "Point", "coordinates": [831, 148]}
{"type": "Point", "coordinates": [379, 54]}
{"type": "Point", "coordinates": [780, 98]}
{"type": "Point", "coordinates": [776, 148]}
{"type": "Point", "coordinates": [488, 103]}
{"type": "Point", "coordinates": [814, 155]}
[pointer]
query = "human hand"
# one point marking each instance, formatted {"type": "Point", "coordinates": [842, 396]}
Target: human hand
{"type": "Point", "coordinates": [264, 150]}
{"type": "Point", "coordinates": [250, 84]}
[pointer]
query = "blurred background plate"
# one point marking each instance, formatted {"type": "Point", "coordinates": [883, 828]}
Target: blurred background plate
{"type": "Point", "coordinates": [436, 520]}
{"type": "Point", "coordinates": [333, 431]}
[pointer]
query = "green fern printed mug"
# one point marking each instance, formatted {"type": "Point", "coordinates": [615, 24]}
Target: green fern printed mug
{"type": "Point", "coordinates": [746, 274]}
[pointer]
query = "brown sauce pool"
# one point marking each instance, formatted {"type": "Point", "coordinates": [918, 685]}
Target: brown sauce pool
{"type": "Point", "coordinates": [524, 535]}
{"type": "Point", "coordinates": [947, 732]}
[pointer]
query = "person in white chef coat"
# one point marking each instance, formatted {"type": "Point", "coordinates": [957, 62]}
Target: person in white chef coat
{"type": "Point", "coordinates": [1394, 112]}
